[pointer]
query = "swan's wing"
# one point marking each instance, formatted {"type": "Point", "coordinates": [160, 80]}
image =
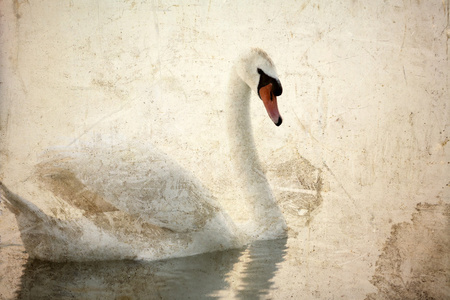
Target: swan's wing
{"type": "Point", "coordinates": [139, 182]}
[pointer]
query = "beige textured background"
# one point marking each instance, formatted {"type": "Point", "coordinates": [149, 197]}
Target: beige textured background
{"type": "Point", "coordinates": [365, 108]}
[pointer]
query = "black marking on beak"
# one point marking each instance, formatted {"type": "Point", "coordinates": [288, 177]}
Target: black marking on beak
{"type": "Point", "coordinates": [280, 120]}
{"type": "Point", "coordinates": [265, 79]}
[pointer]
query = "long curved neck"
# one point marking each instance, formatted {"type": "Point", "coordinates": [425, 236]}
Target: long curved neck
{"type": "Point", "coordinates": [240, 134]}
{"type": "Point", "coordinates": [249, 173]}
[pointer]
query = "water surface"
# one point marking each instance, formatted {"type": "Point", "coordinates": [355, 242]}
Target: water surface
{"type": "Point", "coordinates": [240, 273]}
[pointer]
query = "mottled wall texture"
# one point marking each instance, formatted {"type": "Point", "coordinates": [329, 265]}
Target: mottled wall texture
{"type": "Point", "coordinates": [359, 167]}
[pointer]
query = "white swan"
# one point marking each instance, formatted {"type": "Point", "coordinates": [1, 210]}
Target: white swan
{"type": "Point", "coordinates": [104, 207]}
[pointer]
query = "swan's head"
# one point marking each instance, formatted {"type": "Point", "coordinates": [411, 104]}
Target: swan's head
{"type": "Point", "coordinates": [259, 73]}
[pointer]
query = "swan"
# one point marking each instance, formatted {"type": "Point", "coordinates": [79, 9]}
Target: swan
{"type": "Point", "coordinates": [108, 202]}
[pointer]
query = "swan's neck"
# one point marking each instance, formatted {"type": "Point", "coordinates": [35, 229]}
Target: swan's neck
{"type": "Point", "coordinates": [249, 173]}
{"type": "Point", "coordinates": [240, 134]}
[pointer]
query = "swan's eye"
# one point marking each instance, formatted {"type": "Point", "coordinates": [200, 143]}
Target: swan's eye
{"type": "Point", "coordinates": [265, 79]}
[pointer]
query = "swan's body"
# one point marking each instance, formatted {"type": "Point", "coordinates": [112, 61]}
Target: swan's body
{"type": "Point", "coordinates": [106, 209]}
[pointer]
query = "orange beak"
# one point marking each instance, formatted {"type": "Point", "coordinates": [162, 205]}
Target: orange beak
{"type": "Point", "coordinates": [270, 102]}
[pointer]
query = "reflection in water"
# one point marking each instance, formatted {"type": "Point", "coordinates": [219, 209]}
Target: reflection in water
{"type": "Point", "coordinates": [196, 277]}
{"type": "Point", "coordinates": [261, 265]}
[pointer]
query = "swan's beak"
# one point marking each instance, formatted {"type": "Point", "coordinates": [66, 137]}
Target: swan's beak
{"type": "Point", "coordinates": [270, 102]}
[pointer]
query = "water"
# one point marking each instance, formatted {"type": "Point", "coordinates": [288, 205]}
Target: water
{"type": "Point", "coordinates": [241, 273]}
